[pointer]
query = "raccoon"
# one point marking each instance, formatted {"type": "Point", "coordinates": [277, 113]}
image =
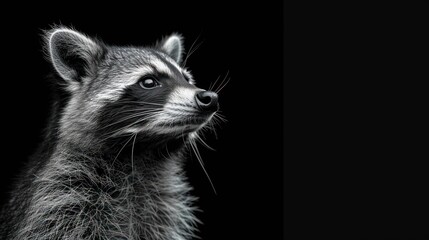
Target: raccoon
{"type": "Point", "coordinates": [111, 163]}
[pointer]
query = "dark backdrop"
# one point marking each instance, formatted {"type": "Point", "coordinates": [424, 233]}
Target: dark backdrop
{"type": "Point", "coordinates": [356, 96]}
{"type": "Point", "coordinates": [242, 39]}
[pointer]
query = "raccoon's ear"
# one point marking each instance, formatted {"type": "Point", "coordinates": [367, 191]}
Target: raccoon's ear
{"type": "Point", "coordinates": [173, 46]}
{"type": "Point", "coordinates": [72, 54]}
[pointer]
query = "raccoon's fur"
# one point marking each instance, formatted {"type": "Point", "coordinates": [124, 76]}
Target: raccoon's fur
{"type": "Point", "coordinates": [110, 166]}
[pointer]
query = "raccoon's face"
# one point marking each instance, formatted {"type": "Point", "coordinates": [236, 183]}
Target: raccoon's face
{"type": "Point", "coordinates": [123, 91]}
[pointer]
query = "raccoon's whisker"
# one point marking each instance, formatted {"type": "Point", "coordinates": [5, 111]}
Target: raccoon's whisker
{"type": "Point", "coordinates": [220, 117]}
{"type": "Point", "coordinates": [189, 53]}
{"type": "Point", "coordinates": [181, 110]}
{"type": "Point", "coordinates": [204, 129]}
{"type": "Point", "coordinates": [132, 179]}
{"type": "Point", "coordinates": [197, 154]}
{"type": "Point", "coordinates": [133, 102]}
{"type": "Point", "coordinates": [142, 103]}
{"type": "Point", "coordinates": [217, 79]}
{"type": "Point", "coordinates": [226, 83]}
{"type": "Point", "coordinates": [136, 111]}
{"type": "Point", "coordinates": [113, 133]}
{"type": "Point", "coordinates": [214, 84]}
{"type": "Point", "coordinates": [211, 126]}
{"type": "Point", "coordinates": [168, 152]}
{"type": "Point", "coordinates": [202, 142]}
{"type": "Point", "coordinates": [141, 114]}
{"type": "Point", "coordinates": [194, 49]}
{"type": "Point", "coordinates": [185, 141]}
{"type": "Point", "coordinates": [222, 85]}
{"type": "Point", "coordinates": [122, 148]}
{"type": "Point", "coordinates": [132, 154]}
{"type": "Point", "coordinates": [150, 103]}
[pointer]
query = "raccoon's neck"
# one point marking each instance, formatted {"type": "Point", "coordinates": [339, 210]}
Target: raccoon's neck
{"type": "Point", "coordinates": [133, 153]}
{"type": "Point", "coordinates": [91, 193]}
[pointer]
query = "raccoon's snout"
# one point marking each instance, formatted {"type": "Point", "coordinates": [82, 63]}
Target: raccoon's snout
{"type": "Point", "coordinates": [207, 101]}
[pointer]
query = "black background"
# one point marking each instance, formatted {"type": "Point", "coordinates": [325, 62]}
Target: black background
{"type": "Point", "coordinates": [242, 39]}
{"type": "Point", "coordinates": [355, 125]}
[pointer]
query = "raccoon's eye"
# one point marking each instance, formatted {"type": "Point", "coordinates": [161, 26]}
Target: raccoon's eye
{"type": "Point", "coordinates": [148, 83]}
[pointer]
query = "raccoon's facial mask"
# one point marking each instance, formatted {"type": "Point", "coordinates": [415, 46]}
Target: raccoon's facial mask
{"type": "Point", "coordinates": [163, 106]}
{"type": "Point", "coordinates": [167, 103]}
{"type": "Point", "coordinates": [161, 100]}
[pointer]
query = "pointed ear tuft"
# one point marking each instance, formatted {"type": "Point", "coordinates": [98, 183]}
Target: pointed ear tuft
{"type": "Point", "coordinates": [173, 46]}
{"type": "Point", "coordinates": [73, 54]}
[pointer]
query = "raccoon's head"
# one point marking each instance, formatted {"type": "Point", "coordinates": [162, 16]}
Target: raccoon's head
{"type": "Point", "coordinates": [116, 92]}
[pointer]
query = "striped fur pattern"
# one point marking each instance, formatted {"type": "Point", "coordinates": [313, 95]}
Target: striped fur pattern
{"type": "Point", "coordinates": [110, 166]}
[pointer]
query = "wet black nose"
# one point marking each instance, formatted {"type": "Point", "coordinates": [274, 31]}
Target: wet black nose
{"type": "Point", "coordinates": [207, 101]}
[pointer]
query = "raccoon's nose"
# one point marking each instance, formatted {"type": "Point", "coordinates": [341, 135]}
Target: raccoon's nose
{"type": "Point", "coordinates": [207, 100]}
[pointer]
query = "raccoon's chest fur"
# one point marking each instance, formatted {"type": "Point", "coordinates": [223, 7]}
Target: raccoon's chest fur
{"type": "Point", "coordinates": [95, 200]}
